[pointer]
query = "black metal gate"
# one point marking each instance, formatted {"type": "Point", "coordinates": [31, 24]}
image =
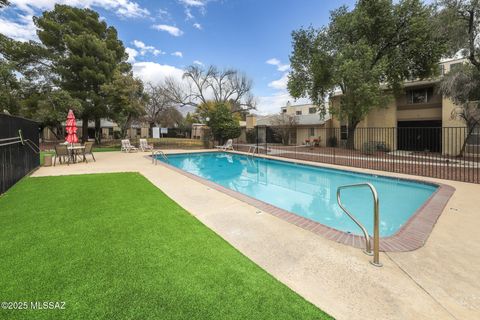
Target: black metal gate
{"type": "Point", "coordinates": [17, 158]}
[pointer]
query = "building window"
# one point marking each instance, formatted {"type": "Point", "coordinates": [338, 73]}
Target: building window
{"type": "Point", "coordinates": [110, 132]}
{"type": "Point", "coordinates": [298, 113]}
{"type": "Point", "coordinates": [422, 95]}
{"type": "Point", "coordinates": [441, 69]}
{"type": "Point", "coordinates": [284, 110]}
{"type": "Point", "coordinates": [343, 132]}
{"type": "Point", "coordinates": [311, 132]}
{"type": "Point", "coordinates": [312, 110]}
{"type": "Point", "coordinates": [139, 132]}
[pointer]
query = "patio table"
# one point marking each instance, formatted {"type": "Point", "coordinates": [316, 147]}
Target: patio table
{"type": "Point", "coordinates": [74, 151]}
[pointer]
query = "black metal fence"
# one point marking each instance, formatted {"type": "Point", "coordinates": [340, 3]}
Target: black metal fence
{"type": "Point", "coordinates": [17, 158]}
{"type": "Point", "coordinates": [447, 153]}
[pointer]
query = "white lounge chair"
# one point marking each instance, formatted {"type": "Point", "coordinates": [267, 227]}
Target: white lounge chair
{"type": "Point", "coordinates": [144, 146]}
{"type": "Point", "coordinates": [127, 147]}
{"type": "Point", "coordinates": [227, 146]}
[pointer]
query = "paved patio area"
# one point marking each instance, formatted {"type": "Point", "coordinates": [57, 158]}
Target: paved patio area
{"type": "Point", "coordinates": [438, 281]}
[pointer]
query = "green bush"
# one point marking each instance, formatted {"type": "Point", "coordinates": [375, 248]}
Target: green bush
{"type": "Point", "coordinates": [223, 123]}
{"type": "Point", "coordinates": [251, 135]}
{"type": "Point", "coordinates": [332, 142]}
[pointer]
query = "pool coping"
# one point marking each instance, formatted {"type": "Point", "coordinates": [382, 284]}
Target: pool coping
{"type": "Point", "coordinates": [411, 236]}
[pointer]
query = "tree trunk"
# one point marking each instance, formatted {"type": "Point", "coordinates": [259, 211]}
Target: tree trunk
{"type": "Point", "coordinates": [351, 135]}
{"type": "Point", "coordinates": [469, 133]}
{"type": "Point", "coordinates": [84, 129]}
{"type": "Point", "coordinates": [98, 131]}
{"type": "Point", "coordinates": [125, 126]}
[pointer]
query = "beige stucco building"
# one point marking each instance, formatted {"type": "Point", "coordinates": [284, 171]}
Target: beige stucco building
{"type": "Point", "coordinates": [419, 119]}
{"type": "Point", "coordinates": [421, 106]}
{"type": "Point", "coordinates": [309, 126]}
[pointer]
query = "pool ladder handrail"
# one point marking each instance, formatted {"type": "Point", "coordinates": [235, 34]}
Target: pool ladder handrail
{"type": "Point", "coordinates": [252, 149]}
{"type": "Point", "coordinates": [376, 220]}
{"type": "Point", "coordinates": [158, 152]}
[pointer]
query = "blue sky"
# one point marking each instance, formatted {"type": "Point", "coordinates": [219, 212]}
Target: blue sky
{"type": "Point", "coordinates": [163, 37]}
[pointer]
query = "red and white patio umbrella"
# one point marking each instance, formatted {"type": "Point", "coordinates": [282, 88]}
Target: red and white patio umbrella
{"type": "Point", "coordinates": [71, 128]}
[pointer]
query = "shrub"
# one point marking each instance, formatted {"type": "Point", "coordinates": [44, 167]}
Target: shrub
{"type": "Point", "coordinates": [223, 123]}
{"type": "Point", "coordinates": [251, 135]}
{"type": "Point", "coordinates": [332, 142]}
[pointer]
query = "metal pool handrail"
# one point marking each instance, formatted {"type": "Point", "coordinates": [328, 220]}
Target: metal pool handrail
{"type": "Point", "coordinates": [251, 150]}
{"type": "Point", "coordinates": [376, 221]}
{"type": "Point", "coordinates": [14, 140]}
{"type": "Point", "coordinates": [158, 152]}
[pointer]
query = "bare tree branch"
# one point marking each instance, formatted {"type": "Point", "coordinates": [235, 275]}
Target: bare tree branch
{"type": "Point", "coordinates": [158, 101]}
{"type": "Point", "coordinates": [221, 86]}
{"type": "Point", "coordinates": [283, 125]}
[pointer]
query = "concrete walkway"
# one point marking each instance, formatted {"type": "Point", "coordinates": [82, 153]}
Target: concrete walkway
{"type": "Point", "coordinates": [439, 281]}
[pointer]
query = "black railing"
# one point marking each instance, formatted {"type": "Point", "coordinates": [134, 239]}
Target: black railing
{"type": "Point", "coordinates": [18, 156]}
{"type": "Point", "coordinates": [447, 153]}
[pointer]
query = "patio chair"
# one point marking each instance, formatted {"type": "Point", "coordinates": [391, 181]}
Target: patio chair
{"type": "Point", "coordinates": [144, 146]}
{"type": "Point", "coordinates": [127, 147]}
{"type": "Point", "coordinates": [62, 153]}
{"type": "Point", "coordinates": [88, 150]}
{"type": "Point", "coordinates": [227, 146]}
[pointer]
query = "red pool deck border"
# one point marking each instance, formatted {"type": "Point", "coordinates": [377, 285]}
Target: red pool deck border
{"type": "Point", "coordinates": [411, 236]}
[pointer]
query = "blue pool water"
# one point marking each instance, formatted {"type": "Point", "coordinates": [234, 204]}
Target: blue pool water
{"type": "Point", "coordinates": [310, 191]}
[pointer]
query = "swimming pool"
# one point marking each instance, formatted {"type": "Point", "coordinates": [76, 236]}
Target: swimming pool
{"type": "Point", "coordinates": [310, 191]}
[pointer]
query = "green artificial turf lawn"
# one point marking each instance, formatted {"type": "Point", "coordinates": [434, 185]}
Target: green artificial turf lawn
{"type": "Point", "coordinates": [113, 246]}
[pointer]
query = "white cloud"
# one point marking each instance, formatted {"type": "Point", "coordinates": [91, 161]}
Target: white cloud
{"type": "Point", "coordinates": [280, 67]}
{"type": "Point", "coordinates": [22, 30]}
{"type": "Point", "coordinates": [199, 5]}
{"type": "Point", "coordinates": [273, 61]}
{"type": "Point", "coordinates": [189, 14]}
{"type": "Point", "coordinates": [177, 54]}
{"type": "Point", "coordinates": [123, 8]}
{"type": "Point", "coordinates": [164, 15]}
{"type": "Point", "coordinates": [21, 27]}
{"type": "Point", "coordinates": [156, 73]}
{"type": "Point", "coordinates": [174, 31]}
{"type": "Point", "coordinates": [197, 26]}
{"type": "Point", "coordinates": [144, 49]}
{"type": "Point", "coordinates": [197, 62]}
{"type": "Point", "coordinates": [272, 104]}
{"type": "Point", "coordinates": [132, 54]}
{"type": "Point", "coordinates": [280, 84]}
{"type": "Point", "coordinates": [194, 3]}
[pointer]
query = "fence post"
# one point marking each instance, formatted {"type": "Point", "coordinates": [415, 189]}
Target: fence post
{"type": "Point", "coordinates": [266, 140]}
{"type": "Point", "coordinates": [256, 137]}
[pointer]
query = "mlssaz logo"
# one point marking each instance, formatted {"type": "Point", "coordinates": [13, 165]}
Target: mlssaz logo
{"type": "Point", "coordinates": [49, 305]}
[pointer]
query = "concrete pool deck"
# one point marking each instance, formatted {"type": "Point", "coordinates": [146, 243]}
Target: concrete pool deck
{"type": "Point", "coordinates": [441, 280]}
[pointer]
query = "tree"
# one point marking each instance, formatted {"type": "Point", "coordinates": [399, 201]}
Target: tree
{"type": "Point", "coordinates": [125, 100]}
{"type": "Point", "coordinates": [366, 54]}
{"type": "Point", "coordinates": [223, 124]}
{"type": "Point", "coordinates": [158, 100]}
{"type": "Point", "coordinates": [459, 23]}
{"type": "Point", "coordinates": [83, 54]}
{"type": "Point", "coordinates": [49, 108]}
{"type": "Point", "coordinates": [9, 88]}
{"type": "Point", "coordinates": [4, 3]}
{"type": "Point", "coordinates": [211, 84]}
{"type": "Point", "coordinates": [284, 125]}
{"type": "Point", "coordinates": [170, 117]}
